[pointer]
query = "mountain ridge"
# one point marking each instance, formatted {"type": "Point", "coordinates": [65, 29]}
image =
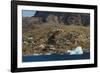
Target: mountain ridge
{"type": "Point", "coordinates": [66, 18]}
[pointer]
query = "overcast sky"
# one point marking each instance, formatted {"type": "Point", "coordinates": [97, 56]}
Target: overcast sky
{"type": "Point", "coordinates": [28, 13]}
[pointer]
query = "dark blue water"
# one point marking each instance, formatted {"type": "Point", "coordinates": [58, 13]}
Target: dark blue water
{"type": "Point", "coordinates": [55, 57]}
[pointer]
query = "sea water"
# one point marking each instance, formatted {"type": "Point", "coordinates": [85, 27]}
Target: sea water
{"type": "Point", "coordinates": [55, 57]}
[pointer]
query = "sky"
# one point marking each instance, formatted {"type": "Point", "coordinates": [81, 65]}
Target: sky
{"type": "Point", "coordinates": [28, 13]}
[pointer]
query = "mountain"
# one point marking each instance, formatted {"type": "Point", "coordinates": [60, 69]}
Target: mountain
{"type": "Point", "coordinates": [58, 18]}
{"type": "Point", "coordinates": [67, 18]}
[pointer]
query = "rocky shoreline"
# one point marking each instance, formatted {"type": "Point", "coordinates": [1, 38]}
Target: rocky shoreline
{"type": "Point", "coordinates": [55, 40]}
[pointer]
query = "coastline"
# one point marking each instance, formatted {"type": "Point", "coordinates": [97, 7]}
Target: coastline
{"type": "Point", "coordinates": [55, 57]}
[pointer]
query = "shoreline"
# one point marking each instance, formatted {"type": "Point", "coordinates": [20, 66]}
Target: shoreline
{"type": "Point", "coordinates": [54, 57]}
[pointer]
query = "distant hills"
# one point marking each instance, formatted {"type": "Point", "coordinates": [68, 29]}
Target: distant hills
{"type": "Point", "coordinates": [66, 18]}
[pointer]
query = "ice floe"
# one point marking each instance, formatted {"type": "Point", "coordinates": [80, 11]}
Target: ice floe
{"type": "Point", "coordinates": [78, 50]}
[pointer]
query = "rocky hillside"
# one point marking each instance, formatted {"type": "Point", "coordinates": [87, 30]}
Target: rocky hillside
{"type": "Point", "coordinates": [55, 40]}
{"type": "Point", "coordinates": [55, 33]}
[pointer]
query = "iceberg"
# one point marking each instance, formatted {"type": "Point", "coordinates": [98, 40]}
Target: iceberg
{"type": "Point", "coordinates": [77, 51]}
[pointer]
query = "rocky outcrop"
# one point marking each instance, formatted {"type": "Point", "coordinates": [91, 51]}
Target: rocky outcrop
{"type": "Point", "coordinates": [66, 18]}
{"type": "Point", "coordinates": [57, 18]}
{"type": "Point", "coordinates": [52, 19]}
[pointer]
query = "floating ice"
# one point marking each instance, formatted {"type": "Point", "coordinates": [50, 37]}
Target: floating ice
{"type": "Point", "coordinates": [48, 53]}
{"type": "Point", "coordinates": [77, 51]}
{"type": "Point", "coordinates": [36, 54]}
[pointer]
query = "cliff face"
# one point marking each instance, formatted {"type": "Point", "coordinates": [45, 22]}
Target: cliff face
{"type": "Point", "coordinates": [57, 18]}
{"type": "Point", "coordinates": [66, 18]}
